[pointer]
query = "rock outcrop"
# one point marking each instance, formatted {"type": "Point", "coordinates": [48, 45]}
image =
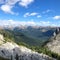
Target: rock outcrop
{"type": "Point", "coordinates": [14, 52]}
{"type": "Point", "coordinates": [54, 44]}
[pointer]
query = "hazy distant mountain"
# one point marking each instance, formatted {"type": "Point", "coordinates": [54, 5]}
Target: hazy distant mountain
{"type": "Point", "coordinates": [29, 35]}
{"type": "Point", "coordinates": [39, 33]}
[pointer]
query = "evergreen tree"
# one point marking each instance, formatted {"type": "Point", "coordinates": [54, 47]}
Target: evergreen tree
{"type": "Point", "coordinates": [11, 57]}
{"type": "Point", "coordinates": [17, 57]}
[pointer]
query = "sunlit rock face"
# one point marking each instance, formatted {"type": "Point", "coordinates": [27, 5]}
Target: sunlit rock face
{"type": "Point", "coordinates": [15, 52]}
{"type": "Point", "coordinates": [1, 39]}
{"type": "Point", "coordinates": [54, 44]}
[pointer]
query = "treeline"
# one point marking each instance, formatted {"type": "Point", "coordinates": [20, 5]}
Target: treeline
{"type": "Point", "coordinates": [46, 51]}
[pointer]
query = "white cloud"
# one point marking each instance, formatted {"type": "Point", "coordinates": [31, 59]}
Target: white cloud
{"type": "Point", "coordinates": [14, 23]}
{"type": "Point", "coordinates": [7, 5]}
{"type": "Point", "coordinates": [26, 14]}
{"type": "Point", "coordinates": [56, 17]}
{"type": "Point", "coordinates": [49, 23]}
{"type": "Point", "coordinates": [45, 23]}
{"type": "Point", "coordinates": [25, 3]}
{"type": "Point", "coordinates": [7, 9]}
{"type": "Point", "coordinates": [12, 2]}
{"type": "Point", "coordinates": [46, 11]}
{"type": "Point", "coordinates": [30, 14]}
{"type": "Point", "coordinates": [39, 16]}
{"type": "Point", "coordinates": [33, 14]}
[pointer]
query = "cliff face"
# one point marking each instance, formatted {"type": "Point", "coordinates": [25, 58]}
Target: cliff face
{"type": "Point", "coordinates": [54, 44]}
{"type": "Point", "coordinates": [13, 51]}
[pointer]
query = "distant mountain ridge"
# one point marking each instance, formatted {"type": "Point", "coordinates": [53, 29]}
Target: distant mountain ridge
{"type": "Point", "coordinates": [30, 35]}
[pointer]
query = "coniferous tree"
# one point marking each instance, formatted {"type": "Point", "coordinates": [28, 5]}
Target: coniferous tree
{"type": "Point", "coordinates": [11, 57]}
{"type": "Point", "coordinates": [17, 57]}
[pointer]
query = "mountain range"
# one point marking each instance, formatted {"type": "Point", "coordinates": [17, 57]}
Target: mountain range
{"type": "Point", "coordinates": [32, 37]}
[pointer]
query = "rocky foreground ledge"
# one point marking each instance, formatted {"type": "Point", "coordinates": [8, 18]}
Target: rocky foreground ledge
{"type": "Point", "coordinates": [14, 52]}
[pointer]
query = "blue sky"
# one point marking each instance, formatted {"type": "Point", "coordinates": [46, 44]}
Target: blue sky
{"type": "Point", "coordinates": [30, 12]}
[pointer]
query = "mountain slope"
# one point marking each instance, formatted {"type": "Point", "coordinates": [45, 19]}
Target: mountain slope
{"type": "Point", "coordinates": [54, 44]}
{"type": "Point", "coordinates": [30, 36]}
{"type": "Point", "coordinates": [35, 35]}
{"type": "Point", "coordinates": [40, 33]}
{"type": "Point", "coordinates": [10, 50]}
{"type": "Point", "coordinates": [19, 37]}
{"type": "Point", "coordinates": [13, 51]}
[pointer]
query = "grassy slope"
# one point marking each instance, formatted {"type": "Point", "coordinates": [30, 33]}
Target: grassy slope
{"type": "Point", "coordinates": [19, 38]}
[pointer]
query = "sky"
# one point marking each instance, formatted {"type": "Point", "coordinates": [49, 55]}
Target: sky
{"type": "Point", "coordinates": [30, 12]}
